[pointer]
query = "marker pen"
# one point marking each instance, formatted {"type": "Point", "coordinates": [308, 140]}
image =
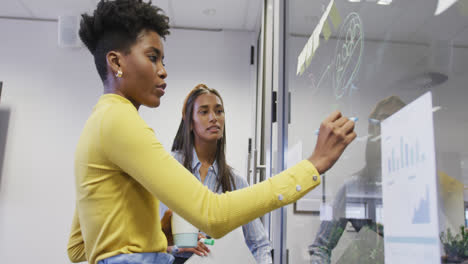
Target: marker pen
{"type": "Point", "coordinates": [207, 241]}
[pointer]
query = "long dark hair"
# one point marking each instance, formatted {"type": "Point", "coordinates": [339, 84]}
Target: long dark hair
{"type": "Point", "coordinates": [184, 140]}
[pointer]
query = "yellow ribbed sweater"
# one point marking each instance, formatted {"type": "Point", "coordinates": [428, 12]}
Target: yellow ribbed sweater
{"type": "Point", "coordinates": [122, 171]}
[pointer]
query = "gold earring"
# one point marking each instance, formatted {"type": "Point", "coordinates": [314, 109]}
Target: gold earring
{"type": "Point", "coordinates": [119, 73]}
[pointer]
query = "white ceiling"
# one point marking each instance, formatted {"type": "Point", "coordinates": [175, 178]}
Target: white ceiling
{"type": "Point", "coordinates": [403, 20]}
{"type": "Point", "coordinates": [228, 14]}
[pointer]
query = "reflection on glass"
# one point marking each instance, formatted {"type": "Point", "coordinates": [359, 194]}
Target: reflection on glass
{"type": "Point", "coordinates": [466, 217]}
{"type": "Point", "coordinates": [371, 61]}
{"type": "Point", "coordinates": [356, 210]}
{"type": "Point", "coordinates": [358, 198]}
{"type": "Point", "coordinates": [379, 214]}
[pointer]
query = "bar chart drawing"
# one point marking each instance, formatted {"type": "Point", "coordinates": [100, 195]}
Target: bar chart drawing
{"type": "Point", "coordinates": [406, 155]}
{"type": "Point", "coordinates": [421, 213]}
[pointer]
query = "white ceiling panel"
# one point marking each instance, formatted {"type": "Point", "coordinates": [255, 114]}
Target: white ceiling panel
{"type": "Point", "coordinates": [210, 14]}
{"type": "Point", "coordinates": [402, 20]}
{"type": "Point", "coordinates": [377, 19]}
{"type": "Point", "coordinates": [213, 14]}
{"type": "Point", "coordinates": [303, 16]}
{"type": "Point", "coordinates": [253, 16]}
{"type": "Point", "coordinates": [54, 8]}
{"type": "Point", "coordinates": [13, 8]}
{"type": "Point", "coordinates": [410, 18]}
{"type": "Point", "coordinates": [446, 26]}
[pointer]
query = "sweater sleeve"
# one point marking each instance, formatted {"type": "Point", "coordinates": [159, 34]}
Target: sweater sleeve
{"type": "Point", "coordinates": [76, 249]}
{"type": "Point", "coordinates": [129, 143]}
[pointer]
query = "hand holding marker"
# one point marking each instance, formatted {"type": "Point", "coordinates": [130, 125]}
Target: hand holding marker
{"type": "Point", "coordinates": [354, 119]}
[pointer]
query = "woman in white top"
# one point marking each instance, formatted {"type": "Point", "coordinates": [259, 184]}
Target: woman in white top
{"type": "Point", "coordinates": [200, 146]}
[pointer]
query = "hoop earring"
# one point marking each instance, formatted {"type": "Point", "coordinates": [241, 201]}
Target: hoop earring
{"type": "Point", "coordinates": [119, 74]}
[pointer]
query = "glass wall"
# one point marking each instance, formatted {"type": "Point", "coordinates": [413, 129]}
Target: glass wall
{"type": "Point", "coordinates": [370, 59]}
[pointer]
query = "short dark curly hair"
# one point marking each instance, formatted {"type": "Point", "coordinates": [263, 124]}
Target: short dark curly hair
{"type": "Point", "coordinates": [115, 25]}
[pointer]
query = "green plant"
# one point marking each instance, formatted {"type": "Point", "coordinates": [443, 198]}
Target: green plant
{"type": "Point", "coordinates": [455, 246]}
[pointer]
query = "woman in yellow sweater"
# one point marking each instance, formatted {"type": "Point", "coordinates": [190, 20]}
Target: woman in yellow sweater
{"type": "Point", "coordinates": [122, 171]}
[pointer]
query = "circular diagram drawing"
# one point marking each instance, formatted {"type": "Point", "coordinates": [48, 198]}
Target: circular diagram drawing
{"type": "Point", "coordinates": [348, 54]}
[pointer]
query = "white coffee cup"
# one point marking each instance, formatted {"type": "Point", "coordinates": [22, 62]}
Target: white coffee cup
{"type": "Point", "coordinates": [185, 234]}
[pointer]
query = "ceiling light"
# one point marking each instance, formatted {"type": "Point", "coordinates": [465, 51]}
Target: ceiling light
{"type": "Point", "coordinates": [436, 108]}
{"type": "Point", "coordinates": [384, 2]}
{"type": "Point", "coordinates": [354, 1]}
{"type": "Point", "coordinates": [209, 12]}
{"type": "Point", "coordinates": [443, 5]}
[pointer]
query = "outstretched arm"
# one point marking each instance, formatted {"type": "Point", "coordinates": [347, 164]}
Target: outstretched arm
{"type": "Point", "coordinates": [130, 144]}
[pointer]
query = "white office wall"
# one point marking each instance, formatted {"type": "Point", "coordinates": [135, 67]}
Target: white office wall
{"type": "Point", "coordinates": [51, 92]}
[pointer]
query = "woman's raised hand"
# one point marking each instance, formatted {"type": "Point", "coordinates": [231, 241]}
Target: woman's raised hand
{"type": "Point", "coordinates": [335, 134]}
